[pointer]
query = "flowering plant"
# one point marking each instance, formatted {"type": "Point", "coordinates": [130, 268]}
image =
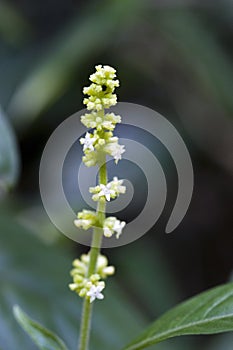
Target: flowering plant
{"type": "Point", "coordinates": [90, 271]}
{"type": "Point", "coordinates": [208, 313]}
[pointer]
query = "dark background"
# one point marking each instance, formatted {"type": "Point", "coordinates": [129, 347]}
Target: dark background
{"type": "Point", "coordinates": [172, 56]}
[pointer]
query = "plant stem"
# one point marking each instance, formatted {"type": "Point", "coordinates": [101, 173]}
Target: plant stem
{"type": "Point", "coordinates": [94, 252]}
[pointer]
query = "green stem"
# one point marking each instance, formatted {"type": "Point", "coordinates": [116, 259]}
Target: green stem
{"type": "Point", "coordinates": [94, 252]}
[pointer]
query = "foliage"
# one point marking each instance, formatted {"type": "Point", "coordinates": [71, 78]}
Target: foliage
{"type": "Point", "coordinates": [43, 338]}
{"type": "Point", "coordinates": [208, 313]}
{"type": "Point", "coordinates": [173, 57]}
{"type": "Point", "coordinates": [36, 276]}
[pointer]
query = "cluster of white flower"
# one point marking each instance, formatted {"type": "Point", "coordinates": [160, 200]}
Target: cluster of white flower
{"type": "Point", "coordinates": [101, 140]}
{"type": "Point", "coordinates": [115, 150]}
{"type": "Point", "coordinates": [91, 287]}
{"type": "Point", "coordinates": [95, 120]}
{"type": "Point", "coordinates": [86, 219]}
{"type": "Point", "coordinates": [105, 192]}
{"type": "Point", "coordinates": [101, 96]}
{"type": "Point", "coordinates": [113, 225]}
{"type": "Point", "coordinates": [101, 91]}
{"type": "Point", "coordinates": [96, 143]}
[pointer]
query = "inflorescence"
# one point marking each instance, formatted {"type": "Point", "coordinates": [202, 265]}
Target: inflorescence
{"type": "Point", "coordinates": [100, 141]}
{"type": "Point", "coordinates": [91, 287]}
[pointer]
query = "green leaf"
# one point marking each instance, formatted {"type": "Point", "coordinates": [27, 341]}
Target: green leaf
{"type": "Point", "coordinates": [9, 161]}
{"type": "Point", "coordinates": [44, 338]}
{"type": "Point", "coordinates": [207, 313]}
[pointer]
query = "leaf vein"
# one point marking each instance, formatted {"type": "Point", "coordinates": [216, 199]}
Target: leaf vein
{"type": "Point", "coordinates": [217, 303]}
{"type": "Point", "coordinates": [150, 340]}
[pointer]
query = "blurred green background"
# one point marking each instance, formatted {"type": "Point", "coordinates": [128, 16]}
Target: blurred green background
{"type": "Point", "coordinates": [172, 56]}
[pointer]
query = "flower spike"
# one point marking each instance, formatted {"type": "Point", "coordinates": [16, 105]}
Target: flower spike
{"type": "Point", "coordinates": [88, 279]}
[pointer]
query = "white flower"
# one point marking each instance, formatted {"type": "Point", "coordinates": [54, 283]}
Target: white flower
{"type": "Point", "coordinates": [83, 223]}
{"type": "Point", "coordinates": [113, 225]}
{"type": "Point", "coordinates": [116, 151]}
{"type": "Point", "coordinates": [108, 270]}
{"type": "Point", "coordinates": [118, 227]}
{"type": "Point", "coordinates": [112, 190]}
{"type": "Point", "coordinates": [116, 185]}
{"type": "Point", "coordinates": [94, 120]}
{"type": "Point", "coordinates": [95, 292]}
{"type": "Point", "coordinates": [106, 191]}
{"type": "Point", "coordinates": [102, 261]}
{"type": "Point", "coordinates": [73, 286]}
{"type": "Point", "coordinates": [88, 141]}
{"type": "Point", "coordinates": [90, 158]}
{"type": "Point", "coordinates": [108, 232]}
{"type": "Point", "coordinates": [86, 219]}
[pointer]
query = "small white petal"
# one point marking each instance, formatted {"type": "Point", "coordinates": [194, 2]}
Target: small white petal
{"type": "Point", "coordinates": [87, 142]}
{"type": "Point", "coordinates": [100, 296]}
{"type": "Point", "coordinates": [72, 286]}
{"type": "Point", "coordinates": [109, 270]}
{"type": "Point", "coordinates": [95, 293]}
{"type": "Point", "coordinates": [106, 191]}
{"type": "Point", "coordinates": [107, 232]}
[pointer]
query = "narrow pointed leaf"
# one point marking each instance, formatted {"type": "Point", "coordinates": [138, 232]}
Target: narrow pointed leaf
{"type": "Point", "coordinates": [207, 313]}
{"type": "Point", "coordinates": [42, 337]}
